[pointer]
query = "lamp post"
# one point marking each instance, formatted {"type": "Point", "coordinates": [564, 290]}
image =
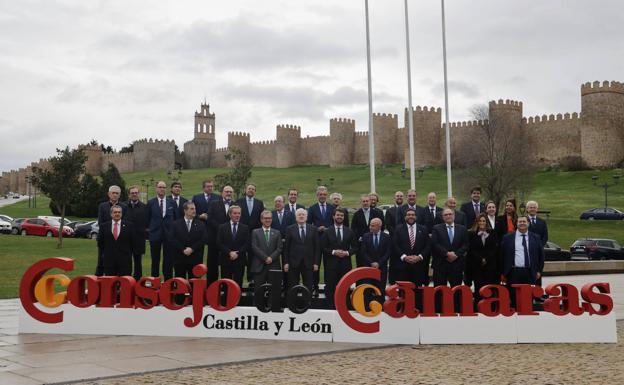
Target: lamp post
{"type": "Point", "coordinates": [421, 171]}
{"type": "Point", "coordinates": [146, 184]}
{"type": "Point", "coordinates": [606, 185]}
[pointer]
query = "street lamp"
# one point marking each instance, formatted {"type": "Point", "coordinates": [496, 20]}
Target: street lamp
{"type": "Point", "coordinates": [606, 185]}
{"type": "Point", "coordinates": [146, 184]}
{"type": "Point", "coordinates": [421, 171]}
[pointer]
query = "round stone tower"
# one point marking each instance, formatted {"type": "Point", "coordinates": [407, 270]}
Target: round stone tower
{"type": "Point", "coordinates": [507, 114]}
{"type": "Point", "coordinates": [602, 123]}
{"type": "Point", "coordinates": [342, 142]}
{"type": "Point", "coordinates": [239, 140]}
{"type": "Point", "coordinates": [288, 143]}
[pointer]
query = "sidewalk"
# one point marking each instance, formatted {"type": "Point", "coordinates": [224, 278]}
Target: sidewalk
{"type": "Point", "coordinates": [41, 358]}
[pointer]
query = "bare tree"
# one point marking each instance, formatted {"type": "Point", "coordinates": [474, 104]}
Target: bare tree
{"type": "Point", "coordinates": [497, 158]}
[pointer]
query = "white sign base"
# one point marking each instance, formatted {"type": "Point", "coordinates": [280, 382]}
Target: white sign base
{"type": "Point", "coordinates": [326, 325]}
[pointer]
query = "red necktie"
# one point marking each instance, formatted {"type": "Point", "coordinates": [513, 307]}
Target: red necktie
{"type": "Point", "coordinates": [115, 230]}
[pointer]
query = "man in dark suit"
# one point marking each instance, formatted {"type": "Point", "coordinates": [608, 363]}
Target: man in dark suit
{"type": "Point", "coordinates": [412, 252]}
{"type": "Point", "coordinates": [431, 214]}
{"type": "Point", "coordinates": [336, 200]}
{"type": "Point", "coordinates": [178, 200]}
{"type": "Point", "coordinates": [302, 251]}
{"type": "Point", "coordinates": [136, 213]}
{"type": "Point", "coordinates": [375, 250]}
{"type": "Point", "coordinates": [338, 244]}
{"type": "Point", "coordinates": [282, 218]}
{"type": "Point", "coordinates": [187, 237]}
{"type": "Point", "coordinates": [251, 207]}
{"type": "Point", "coordinates": [360, 224]}
{"type": "Point", "coordinates": [233, 241]}
{"type": "Point", "coordinates": [202, 201]}
{"type": "Point", "coordinates": [522, 257]}
{"type": "Point", "coordinates": [460, 217]}
{"type": "Point", "coordinates": [114, 192]}
{"type": "Point", "coordinates": [537, 226]}
{"type": "Point", "coordinates": [217, 215]}
{"type": "Point", "coordinates": [473, 208]}
{"type": "Point", "coordinates": [117, 240]}
{"type": "Point", "coordinates": [292, 205]}
{"type": "Point", "coordinates": [266, 249]}
{"type": "Point", "coordinates": [449, 244]}
{"type": "Point", "coordinates": [320, 215]}
{"type": "Point", "coordinates": [160, 214]}
{"type": "Point", "coordinates": [411, 203]}
{"type": "Point", "coordinates": [395, 215]}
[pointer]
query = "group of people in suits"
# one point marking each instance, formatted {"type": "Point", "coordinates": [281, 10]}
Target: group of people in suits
{"type": "Point", "coordinates": [472, 245]}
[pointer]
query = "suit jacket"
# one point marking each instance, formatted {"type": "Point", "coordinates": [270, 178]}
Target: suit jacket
{"type": "Point", "coordinates": [137, 214]}
{"type": "Point", "coordinates": [216, 217]}
{"type": "Point", "coordinates": [180, 238]}
{"type": "Point", "coordinates": [535, 249]}
{"type": "Point", "coordinates": [202, 205]}
{"type": "Point", "coordinates": [540, 228]}
{"type": "Point", "coordinates": [297, 251]}
{"type": "Point", "coordinates": [178, 211]}
{"type": "Point", "coordinates": [330, 242]}
{"type": "Point", "coordinates": [477, 251]}
{"type": "Point", "coordinates": [157, 224]}
{"type": "Point", "coordinates": [253, 220]}
{"type": "Point", "coordinates": [428, 219]}
{"type": "Point", "coordinates": [122, 247]}
{"type": "Point", "coordinates": [501, 225]}
{"type": "Point", "coordinates": [401, 243]}
{"type": "Point", "coordinates": [104, 212]}
{"type": "Point", "coordinates": [394, 218]}
{"type": "Point", "coordinates": [297, 206]}
{"type": "Point", "coordinates": [369, 254]}
{"type": "Point", "coordinates": [288, 219]}
{"type": "Point", "coordinates": [315, 218]}
{"type": "Point", "coordinates": [359, 224]}
{"type": "Point", "coordinates": [261, 249]}
{"type": "Point", "coordinates": [227, 243]}
{"type": "Point", "coordinates": [441, 244]}
{"type": "Point", "coordinates": [468, 209]}
{"type": "Point", "coordinates": [460, 218]}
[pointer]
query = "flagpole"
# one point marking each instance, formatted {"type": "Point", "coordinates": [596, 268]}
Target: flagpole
{"type": "Point", "coordinates": [449, 179]}
{"type": "Point", "coordinates": [410, 118]}
{"type": "Point", "coordinates": [371, 139]}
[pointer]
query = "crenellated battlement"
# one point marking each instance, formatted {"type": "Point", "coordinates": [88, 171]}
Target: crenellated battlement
{"type": "Point", "coordinates": [150, 141]}
{"type": "Point", "coordinates": [385, 116]}
{"type": "Point", "coordinates": [471, 123]}
{"type": "Point", "coordinates": [238, 134]}
{"type": "Point", "coordinates": [265, 142]}
{"type": "Point", "coordinates": [288, 127]}
{"type": "Point", "coordinates": [551, 118]}
{"type": "Point", "coordinates": [420, 109]}
{"type": "Point", "coordinates": [341, 120]}
{"type": "Point", "coordinates": [605, 86]}
{"type": "Point", "coordinates": [361, 133]}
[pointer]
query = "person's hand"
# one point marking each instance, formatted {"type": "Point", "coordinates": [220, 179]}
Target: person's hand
{"type": "Point", "coordinates": [538, 275]}
{"type": "Point", "coordinates": [483, 262]}
{"type": "Point", "coordinates": [503, 279]}
{"type": "Point", "coordinates": [268, 261]}
{"type": "Point", "coordinates": [315, 267]}
{"type": "Point", "coordinates": [203, 216]}
{"type": "Point", "coordinates": [321, 229]}
{"type": "Point", "coordinates": [285, 268]}
{"type": "Point", "coordinates": [233, 255]}
{"type": "Point", "coordinates": [188, 251]}
{"type": "Point", "coordinates": [375, 265]}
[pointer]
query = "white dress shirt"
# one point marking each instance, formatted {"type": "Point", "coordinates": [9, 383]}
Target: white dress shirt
{"type": "Point", "coordinates": [519, 250]}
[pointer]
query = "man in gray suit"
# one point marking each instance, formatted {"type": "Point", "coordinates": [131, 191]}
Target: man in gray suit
{"type": "Point", "coordinates": [266, 247]}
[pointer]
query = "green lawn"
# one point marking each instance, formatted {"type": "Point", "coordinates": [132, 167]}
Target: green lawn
{"type": "Point", "coordinates": [565, 194]}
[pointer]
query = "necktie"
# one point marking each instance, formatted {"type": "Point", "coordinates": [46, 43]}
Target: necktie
{"type": "Point", "coordinates": [527, 261]}
{"type": "Point", "coordinates": [412, 236]}
{"type": "Point", "coordinates": [115, 230]}
{"type": "Point", "coordinates": [450, 234]}
{"type": "Point", "coordinates": [292, 208]}
{"type": "Point", "coordinates": [162, 207]}
{"type": "Point", "coordinates": [302, 232]}
{"type": "Point", "coordinates": [338, 234]}
{"type": "Point", "coordinates": [432, 212]}
{"type": "Point", "coordinates": [366, 216]}
{"type": "Point", "coordinates": [234, 230]}
{"type": "Point", "coordinates": [266, 236]}
{"type": "Point", "coordinates": [533, 221]}
{"type": "Point", "coordinates": [177, 202]}
{"type": "Point", "coordinates": [376, 241]}
{"type": "Point", "coordinates": [207, 198]}
{"type": "Point", "coordinates": [476, 209]}
{"type": "Point", "coordinates": [249, 206]}
{"type": "Point", "coordinates": [188, 225]}
{"type": "Point", "coordinates": [279, 216]}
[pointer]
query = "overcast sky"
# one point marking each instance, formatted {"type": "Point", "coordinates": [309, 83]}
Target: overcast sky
{"type": "Point", "coordinates": [117, 71]}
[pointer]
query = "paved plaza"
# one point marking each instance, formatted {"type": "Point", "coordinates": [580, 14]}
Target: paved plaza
{"type": "Point", "coordinates": [40, 358]}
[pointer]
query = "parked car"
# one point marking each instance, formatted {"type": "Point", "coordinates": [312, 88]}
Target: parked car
{"type": "Point", "coordinates": [553, 252]}
{"type": "Point", "coordinates": [604, 213]}
{"type": "Point", "coordinates": [16, 225]}
{"type": "Point", "coordinates": [5, 227]}
{"type": "Point", "coordinates": [87, 230]}
{"type": "Point", "coordinates": [44, 227]}
{"type": "Point", "coordinates": [597, 249]}
{"type": "Point", "coordinates": [57, 219]}
{"type": "Point", "coordinates": [5, 218]}
{"type": "Point", "coordinates": [75, 224]}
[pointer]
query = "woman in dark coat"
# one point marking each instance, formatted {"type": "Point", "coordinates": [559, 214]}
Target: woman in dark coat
{"type": "Point", "coordinates": [507, 222]}
{"type": "Point", "coordinates": [482, 260]}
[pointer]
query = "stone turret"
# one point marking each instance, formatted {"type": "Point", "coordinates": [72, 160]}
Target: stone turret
{"type": "Point", "coordinates": [342, 141]}
{"type": "Point", "coordinates": [239, 140]}
{"type": "Point", "coordinates": [93, 165]}
{"type": "Point", "coordinates": [385, 128]}
{"type": "Point", "coordinates": [427, 137]}
{"type": "Point", "coordinates": [602, 123]}
{"type": "Point", "coordinates": [198, 152]}
{"type": "Point", "coordinates": [153, 154]}
{"type": "Point", "coordinates": [288, 144]}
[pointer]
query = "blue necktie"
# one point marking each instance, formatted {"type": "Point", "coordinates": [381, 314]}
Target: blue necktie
{"type": "Point", "coordinates": [376, 240]}
{"type": "Point", "coordinates": [527, 260]}
{"type": "Point", "coordinates": [450, 234]}
{"type": "Point", "coordinates": [234, 230]}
